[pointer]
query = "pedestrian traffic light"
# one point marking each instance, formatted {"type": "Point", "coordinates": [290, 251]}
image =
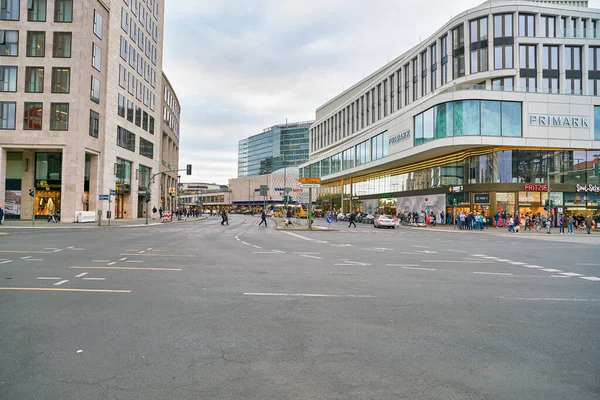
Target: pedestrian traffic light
{"type": "Point", "coordinates": [148, 197]}
{"type": "Point", "coordinates": [546, 203]}
{"type": "Point", "coordinates": [189, 169]}
{"type": "Point", "coordinates": [454, 202]}
{"type": "Point", "coordinates": [32, 192]}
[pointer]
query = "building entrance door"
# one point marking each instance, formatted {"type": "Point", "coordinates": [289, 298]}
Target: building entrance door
{"type": "Point", "coordinates": [141, 207]}
{"type": "Point", "coordinates": [119, 198]}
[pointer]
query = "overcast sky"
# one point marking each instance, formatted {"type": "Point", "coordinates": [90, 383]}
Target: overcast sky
{"type": "Point", "coordinates": [241, 66]}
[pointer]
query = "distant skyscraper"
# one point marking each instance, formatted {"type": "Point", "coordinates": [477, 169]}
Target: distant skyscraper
{"type": "Point", "coordinates": [276, 147]}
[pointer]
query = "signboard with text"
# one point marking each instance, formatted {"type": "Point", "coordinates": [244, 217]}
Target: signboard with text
{"type": "Point", "coordinates": [310, 180]}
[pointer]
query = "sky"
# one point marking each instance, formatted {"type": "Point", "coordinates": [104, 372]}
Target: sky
{"type": "Point", "coordinates": [241, 66]}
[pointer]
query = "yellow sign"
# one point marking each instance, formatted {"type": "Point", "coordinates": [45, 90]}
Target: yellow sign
{"type": "Point", "coordinates": [310, 180]}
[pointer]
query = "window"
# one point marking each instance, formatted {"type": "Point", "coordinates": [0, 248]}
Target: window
{"type": "Point", "coordinates": [415, 86]}
{"type": "Point", "coordinates": [527, 25]}
{"type": "Point", "coordinates": [34, 80]}
{"type": "Point", "coordinates": [94, 123]}
{"type": "Point", "coordinates": [8, 112]}
{"type": "Point", "coordinates": [129, 111]}
{"type": "Point", "coordinates": [121, 106]}
{"type": "Point", "coordinates": [122, 77]}
{"type": "Point", "coordinates": [151, 126]}
{"type": "Point", "coordinates": [138, 116]}
{"type": "Point", "coordinates": [528, 69]}
{"type": "Point", "coordinates": [9, 10]}
{"type": "Point", "coordinates": [503, 26]}
{"type": "Point", "coordinates": [145, 121]}
{"type": "Point", "coordinates": [95, 90]}
{"type": "Point", "coordinates": [32, 116]}
{"type": "Point", "coordinates": [596, 122]}
{"type": "Point", "coordinates": [424, 73]}
{"type": "Point", "coordinates": [8, 79]}
{"type": "Point", "coordinates": [9, 43]}
{"type": "Point", "coordinates": [573, 69]}
{"type": "Point", "coordinates": [139, 90]}
{"type": "Point", "coordinates": [550, 72]}
{"type": "Point", "coordinates": [594, 71]}
{"type": "Point", "coordinates": [444, 59]}
{"type": "Point", "coordinates": [506, 84]}
{"type": "Point", "coordinates": [467, 118]}
{"type": "Point", "coordinates": [433, 51]}
{"type": "Point", "coordinates": [140, 64]}
{"type": "Point", "coordinates": [363, 155]}
{"type": "Point", "coordinates": [458, 35]}
{"type": "Point", "coordinates": [503, 57]}
{"type": "Point", "coordinates": [347, 159]}
{"type": "Point", "coordinates": [97, 24]}
{"type": "Point", "coordinates": [406, 84]}
{"type": "Point", "coordinates": [123, 48]}
{"type": "Point", "coordinates": [547, 26]}
{"type": "Point", "coordinates": [63, 11]}
{"type": "Point", "coordinates": [36, 44]}
{"type": "Point", "coordinates": [61, 47]}
{"type": "Point", "coordinates": [132, 57]}
{"type": "Point", "coordinates": [479, 53]}
{"type": "Point", "coordinates": [61, 80]}
{"type": "Point", "coordinates": [124, 20]}
{"type": "Point", "coordinates": [36, 10]}
{"type": "Point", "coordinates": [379, 146]}
{"type": "Point", "coordinates": [146, 148]}
{"type": "Point", "coordinates": [125, 139]}
{"type": "Point", "coordinates": [96, 57]}
{"type": "Point", "coordinates": [59, 116]}
{"type": "Point", "coordinates": [131, 85]}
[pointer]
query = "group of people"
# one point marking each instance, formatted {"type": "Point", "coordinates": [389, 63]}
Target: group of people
{"type": "Point", "coordinates": [471, 221]}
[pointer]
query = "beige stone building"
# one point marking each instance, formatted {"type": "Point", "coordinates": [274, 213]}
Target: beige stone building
{"type": "Point", "coordinates": [79, 87]}
{"type": "Point", "coordinates": [170, 144]}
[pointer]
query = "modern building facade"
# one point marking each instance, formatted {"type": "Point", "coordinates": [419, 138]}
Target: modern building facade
{"type": "Point", "coordinates": [245, 191]}
{"type": "Point", "coordinates": [171, 115]}
{"type": "Point", "coordinates": [498, 103]}
{"type": "Point", "coordinates": [79, 84]}
{"type": "Point", "coordinates": [276, 147]}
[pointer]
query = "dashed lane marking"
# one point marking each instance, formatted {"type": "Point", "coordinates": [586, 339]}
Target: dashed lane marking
{"type": "Point", "coordinates": [570, 274]}
{"type": "Point", "coordinates": [493, 273]}
{"type": "Point", "coordinates": [546, 299]}
{"type": "Point", "coordinates": [309, 256]}
{"type": "Point", "coordinates": [61, 282]}
{"type": "Point", "coordinates": [112, 263]}
{"type": "Point", "coordinates": [81, 275]}
{"type": "Point", "coordinates": [25, 258]}
{"type": "Point", "coordinates": [401, 265]}
{"type": "Point", "coordinates": [100, 260]}
{"type": "Point", "coordinates": [123, 259]}
{"type": "Point", "coordinates": [420, 269]}
{"type": "Point", "coordinates": [256, 247]}
{"type": "Point", "coordinates": [26, 251]}
{"type": "Point", "coordinates": [94, 279]}
{"type": "Point", "coordinates": [135, 261]}
{"type": "Point", "coordinates": [590, 278]}
{"type": "Point", "coordinates": [129, 268]}
{"type": "Point", "coordinates": [48, 278]}
{"type": "Point", "coordinates": [65, 290]}
{"type": "Point", "coordinates": [160, 255]}
{"type": "Point", "coordinates": [308, 295]}
{"type": "Point", "coordinates": [141, 252]}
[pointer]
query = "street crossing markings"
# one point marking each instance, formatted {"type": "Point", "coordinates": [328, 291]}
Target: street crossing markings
{"type": "Point", "coordinates": [160, 255]}
{"type": "Point", "coordinates": [551, 270]}
{"type": "Point", "coordinates": [26, 251]}
{"type": "Point", "coordinates": [6, 261]}
{"type": "Point", "coordinates": [533, 266]}
{"type": "Point", "coordinates": [570, 274]}
{"type": "Point", "coordinates": [546, 299]}
{"type": "Point", "coordinates": [309, 256]}
{"type": "Point", "coordinates": [130, 268]}
{"type": "Point", "coordinates": [61, 282]}
{"type": "Point", "coordinates": [494, 273]}
{"type": "Point", "coordinates": [420, 269]}
{"type": "Point", "coordinates": [81, 275]}
{"type": "Point", "coordinates": [590, 278]}
{"type": "Point", "coordinates": [123, 259]}
{"type": "Point", "coordinates": [517, 263]}
{"type": "Point", "coordinates": [65, 290]}
{"type": "Point", "coordinates": [112, 263]}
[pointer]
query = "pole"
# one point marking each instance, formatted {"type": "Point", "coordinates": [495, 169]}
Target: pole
{"type": "Point", "coordinates": [33, 208]}
{"type": "Point", "coordinates": [309, 208]}
{"type": "Point", "coordinates": [248, 194]}
{"type": "Point", "coordinates": [146, 200]}
{"type": "Point", "coordinates": [548, 191]}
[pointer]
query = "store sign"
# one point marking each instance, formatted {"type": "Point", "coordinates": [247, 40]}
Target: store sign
{"type": "Point", "coordinates": [455, 189]}
{"type": "Point", "coordinates": [481, 198]}
{"type": "Point", "coordinates": [559, 120]}
{"type": "Point", "coordinates": [534, 187]}
{"type": "Point", "coordinates": [588, 188]}
{"type": "Point", "coordinates": [399, 137]}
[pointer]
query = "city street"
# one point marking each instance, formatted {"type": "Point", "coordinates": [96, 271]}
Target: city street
{"type": "Point", "coordinates": [198, 310]}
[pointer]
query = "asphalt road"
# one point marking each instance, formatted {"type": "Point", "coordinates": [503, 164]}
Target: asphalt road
{"type": "Point", "coordinates": [204, 311]}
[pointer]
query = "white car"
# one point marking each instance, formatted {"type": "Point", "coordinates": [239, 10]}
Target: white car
{"type": "Point", "coordinates": [384, 220]}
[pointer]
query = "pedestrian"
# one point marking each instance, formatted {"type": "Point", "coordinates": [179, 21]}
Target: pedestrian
{"type": "Point", "coordinates": [561, 225]}
{"type": "Point", "coordinates": [263, 218]}
{"type": "Point", "coordinates": [352, 219]}
{"type": "Point", "coordinates": [588, 224]}
{"type": "Point", "coordinates": [160, 212]}
{"type": "Point", "coordinates": [1, 214]}
{"type": "Point", "coordinates": [571, 223]}
{"type": "Point", "coordinates": [288, 220]}
{"type": "Point", "coordinates": [224, 218]}
{"type": "Point", "coordinates": [154, 212]}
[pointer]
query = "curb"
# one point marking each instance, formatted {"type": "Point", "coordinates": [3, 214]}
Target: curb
{"type": "Point", "coordinates": [95, 225]}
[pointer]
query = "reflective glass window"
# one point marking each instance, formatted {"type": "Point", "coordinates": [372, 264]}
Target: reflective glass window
{"type": "Point", "coordinates": [490, 118]}
{"type": "Point", "coordinates": [511, 119]}
{"type": "Point", "coordinates": [466, 118]}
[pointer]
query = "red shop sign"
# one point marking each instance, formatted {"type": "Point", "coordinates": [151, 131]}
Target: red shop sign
{"type": "Point", "coordinates": [533, 187]}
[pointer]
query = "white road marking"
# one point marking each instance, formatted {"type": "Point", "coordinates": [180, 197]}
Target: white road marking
{"type": "Point", "coordinates": [102, 261]}
{"type": "Point", "coordinates": [48, 278]}
{"type": "Point", "coordinates": [70, 247]}
{"type": "Point", "coordinates": [256, 247]}
{"type": "Point", "coordinates": [81, 275]}
{"type": "Point", "coordinates": [517, 263]}
{"type": "Point", "coordinates": [491, 258]}
{"type": "Point", "coordinates": [112, 263]}
{"type": "Point", "coordinates": [278, 251]}
{"type": "Point", "coordinates": [401, 265]}
{"type": "Point", "coordinates": [77, 248]}
{"type": "Point", "coordinates": [408, 252]}
{"type": "Point", "coordinates": [307, 295]}
{"type": "Point", "coordinates": [559, 276]}
{"type": "Point", "coordinates": [478, 255]}
{"type": "Point", "coordinates": [592, 264]}
{"type": "Point", "coordinates": [33, 259]}
{"type": "Point", "coordinates": [298, 236]}
{"type": "Point", "coordinates": [321, 241]}
{"type": "Point", "coordinates": [422, 247]}
{"type": "Point", "coordinates": [590, 278]}
{"type": "Point", "coordinates": [263, 252]}
{"type": "Point", "coordinates": [457, 251]}
{"type": "Point", "coordinates": [143, 251]}
{"type": "Point", "coordinates": [551, 270]}
{"type": "Point", "coordinates": [343, 245]}
{"type": "Point", "coordinates": [427, 251]}
{"type": "Point", "coordinates": [309, 256]}
{"type": "Point", "coordinates": [79, 351]}
{"type": "Point", "coordinates": [533, 266]}
{"type": "Point", "coordinates": [51, 248]}
{"type": "Point", "coordinates": [355, 262]}
{"type": "Point", "coordinates": [458, 262]}
{"type": "Point", "coordinates": [94, 279]}
{"type": "Point", "coordinates": [545, 299]}
{"type": "Point", "coordinates": [421, 269]}
{"type": "Point", "coordinates": [570, 274]}
{"type": "Point", "coordinates": [493, 273]}
{"type": "Point", "coordinates": [503, 260]}
{"type": "Point", "coordinates": [162, 250]}
{"type": "Point", "coordinates": [123, 259]}
{"type": "Point", "coordinates": [6, 262]}
{"type": "Point", "coordinates": [246, 243]}
{"type": "Point", "coordinates": [57, 250]}
{"type": "Point", "coordinates": [61, 282]}
{"type": "Point", "coordinates": [134, 261]}
{"type": "Point", "coordinates": [149, 248]}
{"type": "Point", "coordinates": [306, 252]}
{"type": "Point", "coordinates": [25, 258]}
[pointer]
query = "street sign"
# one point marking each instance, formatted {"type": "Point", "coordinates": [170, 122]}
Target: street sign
{"type": "Point", "coordinates": [263, 190]}
{"type": "Point", "coordinates": [309, 180]}
{"type": "Point", "coordinates": [112, 192]}
{"type": "Point", "coordinates": [102, 197]}
{"type": "Point", "coordinates": [310, 185]}
{"type": "Point", "coordinates": [303, 197]}
{"type": "Point", "coordinates": [329, 219]}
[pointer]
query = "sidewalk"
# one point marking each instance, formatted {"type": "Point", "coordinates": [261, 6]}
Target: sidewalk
{"type": "Point", "coordinates": [114, 223]}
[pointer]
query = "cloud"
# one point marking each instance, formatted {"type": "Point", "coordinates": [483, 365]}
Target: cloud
{"type": "Point", "coordinates": [239, 67]}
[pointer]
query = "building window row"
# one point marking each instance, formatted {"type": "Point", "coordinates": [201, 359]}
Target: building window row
{"type": "Point", "coordinates": [125, 109]}
{"type": "Point", "coordinates": [36, 10]}
{"type": "Point", "coordinates": [33, 115]}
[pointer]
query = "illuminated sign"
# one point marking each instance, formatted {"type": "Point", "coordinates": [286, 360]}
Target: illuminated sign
{"type": "Point", "coordinates": [559, 120]}
{"type": "Point", "coordinates": [588, 188]}
{"type": "Point", "coordinates": [533, 187]}
{"type": "Point", "coordinates": [399, 137]}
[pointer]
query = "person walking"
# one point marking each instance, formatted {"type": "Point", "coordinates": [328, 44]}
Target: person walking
{"type": "Point", "coordinates": [154, 212]}
{"type": "Point", "coordinates": [224, 217]}
{"type": "Point", "coordinates": [588, 224]}
{"type": "Point", "coordinates": [561, 225]}
{"type": "Point", "coordinates": [288, 218]}
{"type": "Point", "coordinates": [160, 212]}
{"type": "Point", "coordinates": [352, 219]}
{"type": "Point", "coordinates": [571, 224]}
{"type": "Point", "coordinates": [263, 218]}
{"type": "Point", "coordinates": [1, 215]}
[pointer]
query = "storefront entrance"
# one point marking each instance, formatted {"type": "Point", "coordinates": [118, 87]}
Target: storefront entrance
{"type": "Point", "coordinates": [119, 200]}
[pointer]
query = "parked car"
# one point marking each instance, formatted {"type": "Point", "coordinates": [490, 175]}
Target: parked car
{"type": "Point", "coordinates": [368, 219]}
{"type": "Point", "coordinates": [385, 220]}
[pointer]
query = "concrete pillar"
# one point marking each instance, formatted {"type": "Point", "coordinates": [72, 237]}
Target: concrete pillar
{"type": "Point", "coordinates": [3, 176]}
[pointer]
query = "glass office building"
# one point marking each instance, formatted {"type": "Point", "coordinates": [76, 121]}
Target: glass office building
{"type": "Point", "coordinates": [276, 147]}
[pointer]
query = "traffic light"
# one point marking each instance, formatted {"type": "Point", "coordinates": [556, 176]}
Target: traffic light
{"type": "Point", "coordinates": [148, 197]}
{"type": "Point", "coordinates": [189, 169]}
{"type": "Point", "coordinates": [32, 192]}
{"type": "Point", "coordinates": [551, 203]}
{"type": "Point", "coordinates": [546, 204]}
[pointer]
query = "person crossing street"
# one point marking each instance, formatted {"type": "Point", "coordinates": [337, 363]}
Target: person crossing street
{"type": "Point", "coordinates": [263, 218]}
{"type": "Point", "coordinates": [352, 219]}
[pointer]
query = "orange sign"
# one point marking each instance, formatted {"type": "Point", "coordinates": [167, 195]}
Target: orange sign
{"type": "Point", "coordinates": [309, 180]}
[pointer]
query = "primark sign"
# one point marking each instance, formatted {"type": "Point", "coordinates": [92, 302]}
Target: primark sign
{"type": "Point", "coordinates": [399, 137]}
{"type": "Point", "coordinates": [559, 120]}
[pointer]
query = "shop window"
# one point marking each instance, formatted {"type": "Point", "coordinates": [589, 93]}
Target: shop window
{"type": "Point", "coordinates": [123, 174]}
{"type": "Point", "coordinates": [347, 159]}
{"type": "Point", "coordinates": [512, 119]}
{"type": "Point", "coordinates": [444, 120]}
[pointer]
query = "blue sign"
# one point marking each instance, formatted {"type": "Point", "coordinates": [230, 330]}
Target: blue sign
{"type": "Point", "coordinates": [329, 219]}
{"type": "Point", "coordinates": [112, 192]}
{"type": "Point", "coordinates": [102, 197]}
